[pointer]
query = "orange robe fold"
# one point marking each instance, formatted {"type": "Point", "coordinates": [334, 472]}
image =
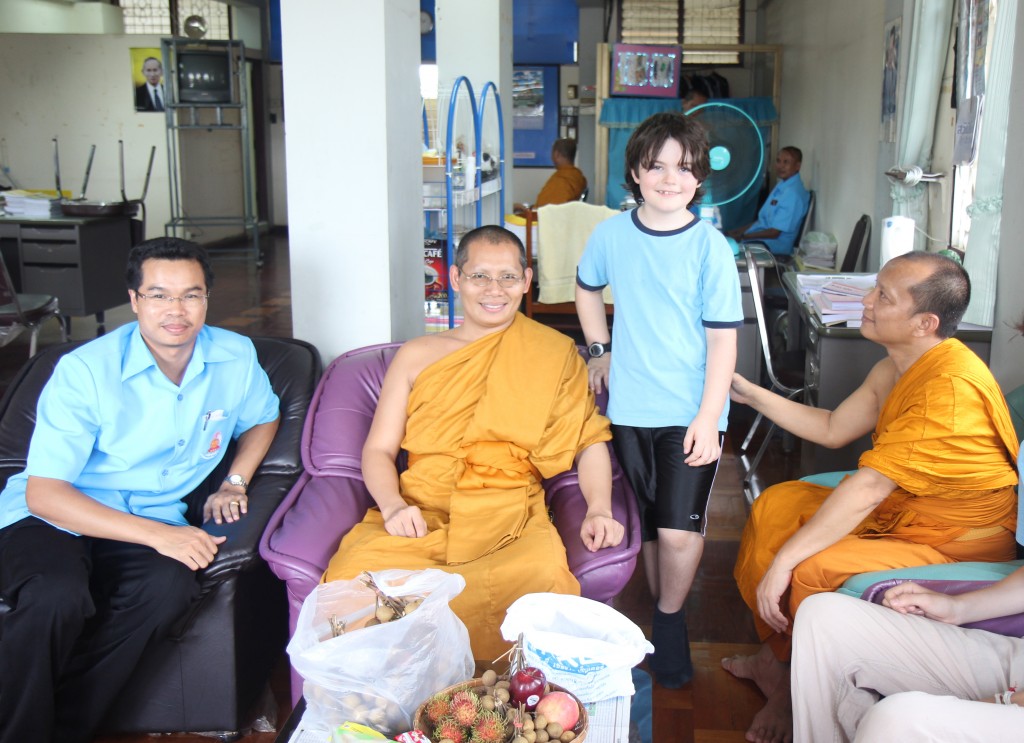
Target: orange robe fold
{"type": "Point", "coordinates": [485, 425]}
{"type": "Point", "coordinates": [945, 437]}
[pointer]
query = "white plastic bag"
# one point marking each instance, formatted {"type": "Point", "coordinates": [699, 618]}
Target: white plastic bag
{"type": "Point", "coordinates": [379, 675]}
{"type": "Point", "coordinates": [585, 646]}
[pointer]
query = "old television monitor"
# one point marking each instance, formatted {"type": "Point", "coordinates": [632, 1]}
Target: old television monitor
{"type": "Point", "coordinates": [204, 77]}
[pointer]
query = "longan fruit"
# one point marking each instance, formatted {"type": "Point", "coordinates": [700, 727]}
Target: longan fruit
{"type": "Point", "coordinates": [542, 736]}
{"type": "Point", "coordinates": [531, 736]}
{"type": "Point", "coordinates": [540, 722]}
{"type": "Point", "coordinates": [554, 729]}
{"type": "Point", "coordinates": [489, 677]}
{"type": "Point", "coordinates": [501, 694]}
{"type": "Point", "coordinates": [502, 683]}
{"type": "Point", "coordinates": [487, 702]}
{"type": "Point", "coordinates": [567, 736]}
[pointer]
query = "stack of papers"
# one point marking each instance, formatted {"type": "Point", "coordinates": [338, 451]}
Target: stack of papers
{"type": "Point", "coordinates": [30, 204]}
{"type": "Point", "coordinates": [836, 298]}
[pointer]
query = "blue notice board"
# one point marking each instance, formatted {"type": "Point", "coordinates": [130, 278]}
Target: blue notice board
{"type": "Point", "coordinates": [534, 114]}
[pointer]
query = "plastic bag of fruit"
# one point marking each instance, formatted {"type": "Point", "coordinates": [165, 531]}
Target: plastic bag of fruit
{"type": "Point", "coordinates": [371, 649]}
{"type": "Point", "coordinates": [583, 645]}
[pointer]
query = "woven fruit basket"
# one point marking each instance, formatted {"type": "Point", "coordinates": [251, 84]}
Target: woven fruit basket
{"type": "Point", "coordinates": [505, 711]}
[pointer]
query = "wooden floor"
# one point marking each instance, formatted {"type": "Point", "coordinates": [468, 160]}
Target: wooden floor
{"type": "Point", "coordinates": [714, 707]}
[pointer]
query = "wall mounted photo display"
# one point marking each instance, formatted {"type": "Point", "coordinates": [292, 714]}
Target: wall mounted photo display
{"type": "Point", "coordinates": [646, 70]}
{"type": "Point", "coordinates": [147, 79]}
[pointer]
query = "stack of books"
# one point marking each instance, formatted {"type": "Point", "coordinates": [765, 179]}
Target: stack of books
{"type": "Point", "coordinates": [841, 300]}
{"type": "Point", "coordinates": [31, 204]}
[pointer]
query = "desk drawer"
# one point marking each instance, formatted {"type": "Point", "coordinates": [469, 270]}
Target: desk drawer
{"type": "Point", "coordinates": [49, 233]}
{"type": "Point", "coordinates": [64, 253]}
{"type": "Point", "coordinates": [65, 283]}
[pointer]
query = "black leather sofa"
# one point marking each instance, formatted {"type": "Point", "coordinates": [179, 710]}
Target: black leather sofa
{"type": "Point", "coordinates": [209, 674]}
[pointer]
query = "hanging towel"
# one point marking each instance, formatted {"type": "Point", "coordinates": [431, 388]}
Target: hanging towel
{"type": "Point", "coordinates": [563, 230]}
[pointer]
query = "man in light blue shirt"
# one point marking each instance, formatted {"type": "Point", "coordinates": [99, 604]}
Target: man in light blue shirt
{"type": "Point", "coordinates": [97, 557]}
{"type": "Point", "coordinates": [778, 221]}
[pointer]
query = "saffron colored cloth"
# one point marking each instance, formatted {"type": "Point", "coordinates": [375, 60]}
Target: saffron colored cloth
{"type": "Point", "coordinates": [485, 425]}
{"type": "Point", "coordinates": [945, 437]}
{"type": "Point", "coordinates": [566, 184]}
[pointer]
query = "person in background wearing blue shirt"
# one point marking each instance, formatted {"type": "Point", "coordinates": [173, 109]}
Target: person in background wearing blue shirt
{"type": "Point", "coordinates": [778, 221]}
{"type": "Point", "coordinates": [97, 557]}
{"type": "Point", "coordinates": [677, 308]}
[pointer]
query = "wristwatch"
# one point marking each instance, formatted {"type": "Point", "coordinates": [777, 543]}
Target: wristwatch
{"type": "Point", "coordinates": [237, 480]}
{"type": "Point", "coordinates": [597, 350]}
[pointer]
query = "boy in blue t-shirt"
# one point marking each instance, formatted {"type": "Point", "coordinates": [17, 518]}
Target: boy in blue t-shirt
{"type": "Point", "coordinates": [677, 307]}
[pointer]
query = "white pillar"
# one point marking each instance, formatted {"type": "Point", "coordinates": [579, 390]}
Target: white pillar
{"type": "Point", "coordinates": [474, 39]}
{"type": "Point", "coordinates": [352, 139]}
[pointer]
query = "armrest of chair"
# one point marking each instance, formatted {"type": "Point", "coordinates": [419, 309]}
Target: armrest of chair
{"type": "Point", "coordinates": [241, 549]}
{"type": "Point", "coordinates": [614, 565]}
{"type": "Point", "coordinates": [305, 530]}
{"type": "Point", "coordinates": [1011, 625]}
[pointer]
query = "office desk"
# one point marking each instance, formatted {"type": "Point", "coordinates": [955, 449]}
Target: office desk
{"type": "Point", "coordinates": [79, 260]}
{"type": "Point", "coordinates": [838, 359]}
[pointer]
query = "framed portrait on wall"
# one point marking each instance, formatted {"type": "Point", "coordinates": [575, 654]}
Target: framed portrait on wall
{"type": "Point", "coordinates": [534, 114]}
{"type": "Point", "coordinates": [147, 79]}
{"type": "Point", "coordinates": [646, 70]}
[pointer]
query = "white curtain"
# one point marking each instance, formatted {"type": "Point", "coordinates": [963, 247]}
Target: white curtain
{"type": "Point", "coordinates": [929, 43]}
{"type": "Point", "coordinates": [982, 256]}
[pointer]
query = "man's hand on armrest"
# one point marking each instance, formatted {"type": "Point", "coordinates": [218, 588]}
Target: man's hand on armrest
{"type": "Point", "coordinates": [600, 530]}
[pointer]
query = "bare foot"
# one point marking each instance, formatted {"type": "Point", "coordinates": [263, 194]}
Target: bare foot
{"type": "Point", "coordinates": [763, 668]}
{"type": "Point", "coordinates": [774, 722]}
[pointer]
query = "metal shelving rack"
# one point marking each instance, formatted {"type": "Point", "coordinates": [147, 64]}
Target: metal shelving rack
{"type": "Point", "coordinates": [192, 115]}
{"type": "Point", "coordinates": [456, 197]}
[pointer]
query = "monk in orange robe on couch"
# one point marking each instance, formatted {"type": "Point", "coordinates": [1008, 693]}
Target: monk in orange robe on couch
{"type": "Point", "coordinates": [485, 411]}
{"type": "Point", "coordinates": [936, 486]}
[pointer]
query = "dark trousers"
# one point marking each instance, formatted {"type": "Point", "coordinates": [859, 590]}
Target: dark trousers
{"type": "Point", "coordinates": [84, 611]}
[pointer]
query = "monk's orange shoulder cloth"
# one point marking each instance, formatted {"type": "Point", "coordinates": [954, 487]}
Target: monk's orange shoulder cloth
{"type": "Point", "coordinates": [945, 437]}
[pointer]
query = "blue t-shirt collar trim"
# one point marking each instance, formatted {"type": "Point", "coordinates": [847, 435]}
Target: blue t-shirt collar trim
{"type": "Point", "coordinates": [659, 233]}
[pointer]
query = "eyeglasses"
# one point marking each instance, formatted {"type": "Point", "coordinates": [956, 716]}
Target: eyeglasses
{"type": "Point", "coordinates": [164, 300]}
{"type": "Point", "coordinates": [505, 281]}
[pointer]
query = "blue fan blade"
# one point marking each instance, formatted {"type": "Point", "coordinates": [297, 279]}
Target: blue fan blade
{"type": "Point", "coordinates": [720, 158]}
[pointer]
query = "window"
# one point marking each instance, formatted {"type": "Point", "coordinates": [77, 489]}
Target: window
{"type": "Point", "coordinates": [167, 17]}
{"type": "Point", "coordinates": [684, 22]}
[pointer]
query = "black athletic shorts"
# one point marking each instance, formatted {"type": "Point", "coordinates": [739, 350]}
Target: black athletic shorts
{"type": "Point", "coordinates": [671, 494]}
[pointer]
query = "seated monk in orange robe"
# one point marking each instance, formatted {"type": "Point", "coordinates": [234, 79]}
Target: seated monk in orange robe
{"type": "Point", "coordinates": [936, 487]}
{"type": "Point", "coordinates": [485, 411]}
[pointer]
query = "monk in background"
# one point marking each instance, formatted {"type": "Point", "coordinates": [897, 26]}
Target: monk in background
{"type": "Point", "coordinates": [485, 411]}
{"type": "Point", "coordinates": [936, 486]}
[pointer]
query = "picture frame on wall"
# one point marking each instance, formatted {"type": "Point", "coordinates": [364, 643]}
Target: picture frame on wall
{"type": "Point", "coordinates": [534, 114]}
{"type": "Point", "coordinates": [646, 70]}
{"type": "Point", "coordinates": [147, 68]}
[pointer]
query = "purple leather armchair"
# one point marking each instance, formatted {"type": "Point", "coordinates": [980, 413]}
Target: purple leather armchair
{"type": "Point", "coordinates": [330, 497]}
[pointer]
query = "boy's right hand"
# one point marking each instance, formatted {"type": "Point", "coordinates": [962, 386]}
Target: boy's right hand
{"type": "Point", "coordinates": [597, 372]}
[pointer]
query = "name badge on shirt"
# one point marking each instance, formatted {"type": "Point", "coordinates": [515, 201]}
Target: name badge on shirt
{"type": "Point", "coordinates": [214, 447]}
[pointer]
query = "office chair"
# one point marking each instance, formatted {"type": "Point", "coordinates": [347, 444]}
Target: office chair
{"type": "Point", "coordinates": [785, 372]}
{"type": "Point", "coordinates": [858, 244]}
{"type": "Point", "coordinates": [20, 312]}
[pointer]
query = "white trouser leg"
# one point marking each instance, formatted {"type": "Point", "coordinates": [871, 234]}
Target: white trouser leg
{"type": "Point", "coordinates": [915, 716]}
{"type": "Point", "coordinates": [848, 653]}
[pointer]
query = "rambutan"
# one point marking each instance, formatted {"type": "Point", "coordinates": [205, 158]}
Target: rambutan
{"type": "Point", "coordinates": [448, 728]}
{"type": "Point", "coordinates": [489, 728]}
{"type": "Point", "coordinates": [464, 707]}
{"type": "Point", "coordinates": [436, 708]}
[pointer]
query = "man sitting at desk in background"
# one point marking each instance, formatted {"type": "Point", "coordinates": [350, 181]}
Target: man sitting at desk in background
{"type": "Point", "coordinates": [97, 555]}
{"type": "Point", "coordinates": [779, 220]}
{"type": "Point", "coordinates": [936, 486]}
{"type": "Point", "coordinates": [567, 183]}
{"type": "Point", "coordinates": [485, 411]}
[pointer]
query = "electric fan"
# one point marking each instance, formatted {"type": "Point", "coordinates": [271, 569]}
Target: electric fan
{"type": "Point", "coordinates": [737, 158]}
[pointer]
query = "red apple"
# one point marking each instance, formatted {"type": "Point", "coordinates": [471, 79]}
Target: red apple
{"type": "Point", "coordinates": [557, 706]}
{"type": "Point", "coordinates": [526, 687]}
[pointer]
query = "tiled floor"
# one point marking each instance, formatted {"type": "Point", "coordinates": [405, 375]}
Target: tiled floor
{"type": "Point", "coordinates": [714, 707]}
